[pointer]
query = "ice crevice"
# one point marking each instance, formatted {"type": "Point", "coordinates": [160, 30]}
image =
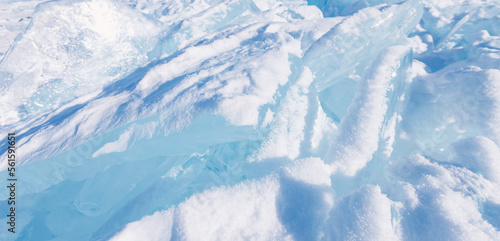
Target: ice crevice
{"type": "Point", "coordinates": [253, 120]}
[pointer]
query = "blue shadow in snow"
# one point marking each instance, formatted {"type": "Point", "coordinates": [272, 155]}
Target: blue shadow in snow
{"type": "Point", "coordinates": [302, 208]}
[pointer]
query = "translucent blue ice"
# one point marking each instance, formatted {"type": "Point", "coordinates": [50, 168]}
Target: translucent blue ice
{"type": "Point", "coordinates": [252, 120]}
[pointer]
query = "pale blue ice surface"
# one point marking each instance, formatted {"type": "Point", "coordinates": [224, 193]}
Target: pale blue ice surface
{"type": "Point", "coordinates": [253, 120]}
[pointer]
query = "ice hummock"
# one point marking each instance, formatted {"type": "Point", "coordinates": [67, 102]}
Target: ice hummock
{"type": "Point", "coordinates": [254, 120]}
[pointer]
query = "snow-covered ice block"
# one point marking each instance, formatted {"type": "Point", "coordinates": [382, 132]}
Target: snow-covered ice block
{"type": "Point", "coordinates": [373, 113]}
{"type": "Point", "coordinates": [459, 101]}
{"type": "Point", "coordinates": [287, 206]}
{"type": "Point", "coordinates": [85, 45]}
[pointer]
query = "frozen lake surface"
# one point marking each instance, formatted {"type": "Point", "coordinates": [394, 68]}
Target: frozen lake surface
{"type": "Point", "coordinates": [251, 119]}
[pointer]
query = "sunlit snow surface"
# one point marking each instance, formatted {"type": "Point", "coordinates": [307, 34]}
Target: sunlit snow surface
{"type": "Point", "coordinates": [252, 119]}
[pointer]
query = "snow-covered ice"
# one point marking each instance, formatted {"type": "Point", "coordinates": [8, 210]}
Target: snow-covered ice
{"type": "Point", "coordinates": [251, 119]}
